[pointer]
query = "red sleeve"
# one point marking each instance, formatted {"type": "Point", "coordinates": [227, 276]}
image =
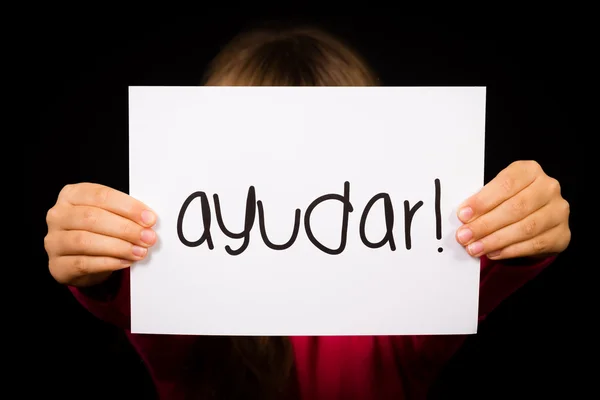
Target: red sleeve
{"type": "Point", "coordinates": [426, 355]}
{"type": "Point", "coordinates": [500, 279]}
{"type": "Point", "coordinates": [108, 301]}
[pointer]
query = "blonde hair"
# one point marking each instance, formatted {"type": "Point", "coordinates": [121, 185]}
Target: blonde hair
{"type": "Point", "coordinates": [292, 57]}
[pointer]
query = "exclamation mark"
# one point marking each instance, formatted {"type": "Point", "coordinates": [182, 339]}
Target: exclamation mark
{"type": "Point", "coordinates": [438, 212]}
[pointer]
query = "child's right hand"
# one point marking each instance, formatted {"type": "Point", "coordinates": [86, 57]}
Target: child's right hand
{"type": "Point", "coordinates": [94, 230]}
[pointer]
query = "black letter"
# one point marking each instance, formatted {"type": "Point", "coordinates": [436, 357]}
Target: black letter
{"type": "Point", "coordinates": [408, 216]}
{"type": "Point", "coordinates": [205, 219]}
{"type": "Point", "coordinates": [347, 210]}
{"type": "Point", "coordinates": [250, 214]}
{"type": "Point", "coordinates": [263, 230]}
{"type": "Point", "coordinates": [438, 212]}
{"type": "Point", "coordinates": [389, 222]}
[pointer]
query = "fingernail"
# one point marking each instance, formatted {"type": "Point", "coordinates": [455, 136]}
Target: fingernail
{"type": "Point", "coordinates": [464, 235]}
{"type": "Point", "coordinates": [139, 251]}
{"type": "Point", "coordinates": [148, 217]}
{"type": "Point", "coordinates": [148, 236]}
{"type": "Point", "coordinates": [494, 254]}
{"type": "Point", "coordinates": [465, 214]}
{"type": "Point", "coordinates": [475, 248]}
{"type": "Point", "coordinates": [126, 262]}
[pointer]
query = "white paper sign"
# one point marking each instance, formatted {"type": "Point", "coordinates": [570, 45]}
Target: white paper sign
{"type": "Point", "coordinates": [310, 210]}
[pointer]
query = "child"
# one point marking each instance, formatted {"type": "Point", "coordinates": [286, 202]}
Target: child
{"type": "Point", "coordinates": [516, 224]}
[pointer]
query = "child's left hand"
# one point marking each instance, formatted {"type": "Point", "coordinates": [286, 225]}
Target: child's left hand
{"type": "Point", "coordinates": [519, 213]}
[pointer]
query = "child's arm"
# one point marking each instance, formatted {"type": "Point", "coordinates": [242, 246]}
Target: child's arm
{"type": "Point", "coordinates": [108, 301]}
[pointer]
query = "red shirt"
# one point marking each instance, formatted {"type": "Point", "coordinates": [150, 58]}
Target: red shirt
{"type": "Point", "coordinates": [363, 367]}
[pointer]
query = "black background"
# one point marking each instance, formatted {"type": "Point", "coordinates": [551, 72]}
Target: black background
{"type": "Point", "coordinates": [81, 70]}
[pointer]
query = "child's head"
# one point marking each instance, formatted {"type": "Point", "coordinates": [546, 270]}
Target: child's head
{"type": "Point", "coordinates": [260, 367]}
{"type": "Point", "coordinates": [293, 57]}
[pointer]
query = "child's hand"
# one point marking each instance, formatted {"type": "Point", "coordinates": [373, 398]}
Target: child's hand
{"type": "Point", "coordinates": [94, 230]}
{"type": "Point", "coordinates": [519, 213]}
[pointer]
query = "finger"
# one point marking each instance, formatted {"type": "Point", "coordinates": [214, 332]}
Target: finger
{"type": "Point", "coordinates": [86, 265]}
{"type": "Point", "coordinates": [103, 222]}
{"type": "Point", "coordinates": [91, 194]}
{"type": "Point", "coordinates": [518, 207]}
{"type": "Point", "coordinates": [71, 243]}
{"type": "Point", "coordinates": [505, 185]}
{"type": "Point", "coordinates": [552, 241]}
{"type": "Point", "coordinates": [528, 228]}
